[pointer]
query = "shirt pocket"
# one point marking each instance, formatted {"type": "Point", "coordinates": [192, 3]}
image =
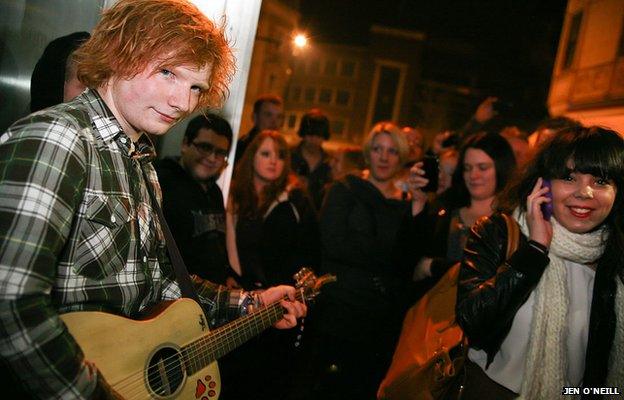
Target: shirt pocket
{"type": "Point", "coordinates": [104, 237]}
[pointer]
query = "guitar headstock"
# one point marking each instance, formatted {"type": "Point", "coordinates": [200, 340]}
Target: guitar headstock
{"type": "Point", "coordinates": [309, 284]}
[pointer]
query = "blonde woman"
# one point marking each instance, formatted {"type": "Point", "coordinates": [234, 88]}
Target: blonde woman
{"type": "Point", "coordinates": [369, 237]}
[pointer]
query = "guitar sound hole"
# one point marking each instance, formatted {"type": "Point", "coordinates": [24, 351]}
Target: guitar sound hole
{"type": "Point", "coordinates": [165, 372]}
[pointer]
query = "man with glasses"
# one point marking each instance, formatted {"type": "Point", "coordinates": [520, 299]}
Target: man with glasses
{"type": "Point", "coordinates": [192, 200]}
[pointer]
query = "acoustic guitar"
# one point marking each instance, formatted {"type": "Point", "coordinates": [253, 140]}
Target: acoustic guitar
{"type": "Point", "coordinates": [172, 354]}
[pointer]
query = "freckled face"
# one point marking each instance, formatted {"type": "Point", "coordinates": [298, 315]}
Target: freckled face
{"type": "Point", "coordinates": [156, 98]}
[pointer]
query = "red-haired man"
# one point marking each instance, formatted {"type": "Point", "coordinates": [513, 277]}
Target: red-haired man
{"type": "Point", "coordinates": [78, 229]}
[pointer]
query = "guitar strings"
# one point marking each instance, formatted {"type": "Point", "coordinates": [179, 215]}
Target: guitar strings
{"type": "Point", "coordinates": [208, 340]}
{"type": "Point", "coordinates": [191, 356]}
{"type": "Point", "coordinates": [140, 388]}
{"type": "Point", "coordinates": [266, 315]}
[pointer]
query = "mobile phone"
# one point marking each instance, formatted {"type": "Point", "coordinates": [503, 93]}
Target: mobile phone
{"type": "Point", "coordinates": [547, 208]}
{"type": "Point", "coordinates": [432, 169]}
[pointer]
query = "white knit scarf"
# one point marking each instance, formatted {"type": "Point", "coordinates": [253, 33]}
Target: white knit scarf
{"type": "Point", "coordinates": [545, 372]}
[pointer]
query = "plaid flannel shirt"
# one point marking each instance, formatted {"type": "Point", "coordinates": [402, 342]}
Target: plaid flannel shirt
{"type": "Point", "coordinates": [77, 232]}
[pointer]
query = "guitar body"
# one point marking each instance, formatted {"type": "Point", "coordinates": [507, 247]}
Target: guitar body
{"type": "Point", "coordinates": [144, 359]}
{"type": "Point", "coordinates": [172, 355]}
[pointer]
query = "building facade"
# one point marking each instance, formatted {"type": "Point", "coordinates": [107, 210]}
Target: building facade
{"type": "Point", "coordinates": [328, 77]}
{"type": "Point", "coordinates": [272, 54]}
{"type": "Point", "coordinates": [356, 86]}
{"type": "Point", "coordinates": [588, 77]}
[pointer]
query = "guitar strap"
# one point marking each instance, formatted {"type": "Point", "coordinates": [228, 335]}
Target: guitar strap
{"type": "Point", "coordinates": [181, 273]}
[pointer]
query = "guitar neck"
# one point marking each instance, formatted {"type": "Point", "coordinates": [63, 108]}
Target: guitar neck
{"type": "Point", "coordinates": [228, 337]}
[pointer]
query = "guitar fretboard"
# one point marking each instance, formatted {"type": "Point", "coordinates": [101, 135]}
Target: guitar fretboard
{"type": "Point", "coordinates": [226, 338]}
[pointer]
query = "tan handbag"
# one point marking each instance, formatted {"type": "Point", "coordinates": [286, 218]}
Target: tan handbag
{"type": "Point", "coordinates": [432, 347]}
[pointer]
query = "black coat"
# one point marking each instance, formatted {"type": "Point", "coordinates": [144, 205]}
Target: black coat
{"type": "Point", "coordinates": [317, 179]}
{"type": "Point", "coordinates": [196, 219]}
{"type": "Point", "coordinates": [372, 244]}
{"type": "Point", "coordinates": [272, 249]}
{"type": "Point", "coordinates": [489, 295]}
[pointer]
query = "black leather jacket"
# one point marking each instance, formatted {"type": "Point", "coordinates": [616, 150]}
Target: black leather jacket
{"type": "Point", "coordinates": [491, 291]}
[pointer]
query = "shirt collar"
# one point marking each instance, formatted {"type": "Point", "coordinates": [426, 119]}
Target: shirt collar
{"type": "Point", "coordinates": [142, 150]}
{"type": "Point", "coordinates": [105, 122]}
{"type": "Point", "coordinates": [110, 130]}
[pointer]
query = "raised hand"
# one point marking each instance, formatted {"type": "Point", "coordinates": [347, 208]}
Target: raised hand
{"type": "Point", "coordinates": [416, 182]}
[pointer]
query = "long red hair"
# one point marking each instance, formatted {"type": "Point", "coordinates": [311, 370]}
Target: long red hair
{"type": "Point", "coordinates": [245, 200]}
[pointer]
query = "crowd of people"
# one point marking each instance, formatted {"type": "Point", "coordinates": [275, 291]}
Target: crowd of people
{"type": "Point", "coordinates": [81, 231]}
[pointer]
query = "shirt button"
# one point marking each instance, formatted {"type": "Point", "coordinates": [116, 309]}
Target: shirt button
{"type": "Point", "coordinates": [144, 259]}
{"type": "Point", "coordinates": [113, 219]}
{"type": "Point", "coordinates": [123, 139]}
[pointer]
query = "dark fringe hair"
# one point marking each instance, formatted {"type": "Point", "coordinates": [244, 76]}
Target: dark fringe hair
{"type": "Point", "coordinates": [591, 150]}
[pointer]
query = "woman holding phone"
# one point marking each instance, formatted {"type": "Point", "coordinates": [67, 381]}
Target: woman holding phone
{"type": "Point", "coordinates": [371, 238]}
{"type": "Point", "coordinates": [486, 162]}
{"type": "Point", "coordinates": [552, 315]}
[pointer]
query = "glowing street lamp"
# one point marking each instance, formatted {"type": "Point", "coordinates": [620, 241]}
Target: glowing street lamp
{"type": "Point", "coordinates": [300, 40]}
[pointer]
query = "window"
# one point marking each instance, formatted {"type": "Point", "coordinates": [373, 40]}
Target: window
{"type": "Point", "coordinates": [347, 69]}
{"type": "Point", "coordinates": [299, 67]}
{"type": "Point", "coordinates": [292, 121]}
{"type": "Point", "coordinates": [295, 94]}
{"type": "Point", "coordinates": [330, 67]}
{"type": "Point", "coordinates": [573, 34]}
{"type": "Point", "coordinates": [343, 97]}
{"type": "Point", "coordinates": [325, 96]}
{"type": "Point", "coordinates": [315, 67]}
{"type": "Point", "coordinates": [387, 87]}
{"type": "Point", "coordinates": [310, 93]}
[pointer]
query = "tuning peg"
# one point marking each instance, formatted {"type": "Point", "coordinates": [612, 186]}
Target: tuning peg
{"type": "Point", "coordinates": [302, 273]}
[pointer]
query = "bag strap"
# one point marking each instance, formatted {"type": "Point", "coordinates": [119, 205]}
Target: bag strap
{"type": "Point", "coordinates": [513, 235]}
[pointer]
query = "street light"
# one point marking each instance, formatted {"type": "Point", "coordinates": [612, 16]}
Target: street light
{"type": "Point", "coordinates": [300, 40]}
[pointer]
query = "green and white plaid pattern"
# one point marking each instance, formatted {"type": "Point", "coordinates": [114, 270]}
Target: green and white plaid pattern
{"type": "Point", "coordinates": [77, 232]}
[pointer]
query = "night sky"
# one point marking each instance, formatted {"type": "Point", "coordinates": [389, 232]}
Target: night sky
{"type": "Point", "coordinates": [512, 44]}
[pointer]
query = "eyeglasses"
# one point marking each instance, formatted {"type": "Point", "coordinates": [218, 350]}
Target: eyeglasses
{"type": "Point", "coordinates": [208, 149]}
